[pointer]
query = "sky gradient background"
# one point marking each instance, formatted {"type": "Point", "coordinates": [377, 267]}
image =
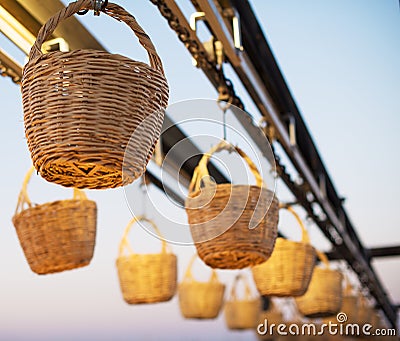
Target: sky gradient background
{"type": "Point", "coordinates": [340, 59]}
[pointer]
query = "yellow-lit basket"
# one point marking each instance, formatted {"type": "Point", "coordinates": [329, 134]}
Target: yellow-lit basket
{"type": "Point", "coordinates": [200, 300]}
{"type": "Point", "coordinates": [324, 294]}
{"type": "Point", "coordinates": [267, 317]}
{"type": "Point", "coordinates": [233, 226]}
{"type": "Point", "coordinates": [242, 313]}
{"type": "Point", "coordinates": [288, 272]}
{"type": "Point", "coordinates": [56, 236]}
{"type": "Point", "coordinates": [146, 278]}
{"type": "Point", "coordinates": [364, 311]}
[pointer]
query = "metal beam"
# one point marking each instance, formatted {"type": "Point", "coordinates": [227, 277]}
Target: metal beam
{"type": "Point", "coordinates": [9, 67]}
{"type": "Point", "coordinates": [378, 252]}
{"type": "Point", "coordinates": [34, 13]}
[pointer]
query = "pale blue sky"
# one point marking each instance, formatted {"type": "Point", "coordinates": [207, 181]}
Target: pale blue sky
{"type": "Point", "coordinates": [340, 59]}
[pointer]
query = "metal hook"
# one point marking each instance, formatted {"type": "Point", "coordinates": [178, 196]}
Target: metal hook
{"type": "Point", "coordinates": [227, 98]}
{"type": "Point", "coordinates": [99, 5]}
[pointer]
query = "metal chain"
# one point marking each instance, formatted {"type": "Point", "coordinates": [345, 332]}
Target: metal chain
{"type": "Point", "coordinates": [199, 55]}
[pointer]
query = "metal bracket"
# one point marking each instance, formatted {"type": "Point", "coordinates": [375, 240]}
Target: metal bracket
{"type": "Point", "coordinates": [236, 29]}
{"type": "Point", "coordinates": [57, 44]}
{"type": "Point", "coordinates": [213, 47]}
{"type": "Point", "coordinates": [292, 129]}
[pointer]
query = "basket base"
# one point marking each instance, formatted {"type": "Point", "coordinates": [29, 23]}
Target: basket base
{"type": "Point", "coordinates": [87, 175]}
{"type": "Point", "coordinates": [60, 268]}
{"type": "Point", "coordinates": [232, 259]}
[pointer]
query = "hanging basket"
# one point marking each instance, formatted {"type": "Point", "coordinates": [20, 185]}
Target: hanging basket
{"type": "Point", "coordinates": [349, 302]}
{"type": "Point", "coordinates": [233, 226]}
{"type": "Point", "coordinates": [324, 294]}
{"type": "Point", "coordinates": [200, 300]}
{"type": "Point", "coordinates": [288, 272]}
{"type": "Point", "coordinates": [242, 313]}
{"type": "Point", "coordinates": [268, 317]}
{"type": "Point", "coordinates": [56, 236]}
{"type": "Point", "coordinates": [146, 278]}
{"type": "Point", "coordinates": [364, 311]}
{"type": "Point", "coordinates": [82, 107]}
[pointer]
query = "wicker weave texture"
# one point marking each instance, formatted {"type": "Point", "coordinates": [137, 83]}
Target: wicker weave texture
{"type": "Point", "coordinates": [324, 295]}
{"type": "Point", "coordinates": [233, 226]}
{"type": "Point", "coordinates": [242, 313]}
{"type": "Point", "coordinates": [56, 236]}
{"type": "Point", "coordinates": [288, 272]}
{"type": "Point", "coordinates": [272, 316]}
{"type": "Point", "coordinates": [82, 107]}
{"type": "Point", "coordinates": [200, 300]}
{"type": "Point", "coordinates": [146, 278]}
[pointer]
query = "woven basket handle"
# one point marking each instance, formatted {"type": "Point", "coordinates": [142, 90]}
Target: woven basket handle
{"type": "Point", "coordinates": [323, 258]}
{"type": "Point", "coordinates": [247, 290]}
{"type": "Point", "coordinates": [23, 197]}
{"type": "Point", "coordinates": [201, 172]}
{"type": "Point", "coordinates": [305, 238]}
{"type": "Point", "coordinates": [113, 10]}
{"type": "Point", "coordinates": [189, 275]}
{"type": "Point", "coordinates": [125, 245]}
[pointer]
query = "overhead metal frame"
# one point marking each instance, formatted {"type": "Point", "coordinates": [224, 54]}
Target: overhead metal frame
{"type": "Point", "coordinates": [376, 252]}
{"type": "Point", "coordinates": [258, 70]}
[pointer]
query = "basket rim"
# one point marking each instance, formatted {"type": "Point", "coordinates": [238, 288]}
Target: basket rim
{"type": "Point", "coordinates": [90, 52]}
{"type": "Point", "coordinates": [38, 207]}
{"type": "Point", "coordinates": [196, 193]}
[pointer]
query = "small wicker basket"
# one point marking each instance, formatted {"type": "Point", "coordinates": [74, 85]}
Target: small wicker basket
{"type": "Point", "coordinates": [56, 236]}
{"type": "Point", "coordinates": [288, 272]}
{"type": "Point", "coordinates": [82, 107]}
{"type": "Point", "coordinates": [267, 317]}
{"type": "Point", "coordinates": [233, 226]}
{"type": "Point", "coordinates": [349, 302]}
{"type": "Point", "coordinates": [146, 278]}
{"type": "Point", "coordinates": [242, 313]}
{"type": "Point", "coordinates": [324, 294]}
{"type": "Point", "coordinates": [200, 300]}
{"type": "Point", "coordinates": [364, 311]}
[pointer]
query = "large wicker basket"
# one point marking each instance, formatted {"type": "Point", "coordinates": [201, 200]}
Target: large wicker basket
{"type": "Point", "coordinates": [242, 313]}
{"type": "Point", "coordinates": [233, 226]}
{"type": "Point", "coordinates": [200, 300]}
{"type": "Point", "coordinates": [146, 278]}
{"type": "Point", "coordinates": [56, 236]}
{"type": "Point", "coordinates": [288, 271]}
{"type": "Point", "coordinates": [82, 107]}
{"type": "Point", "coordinates": [324, 294]}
